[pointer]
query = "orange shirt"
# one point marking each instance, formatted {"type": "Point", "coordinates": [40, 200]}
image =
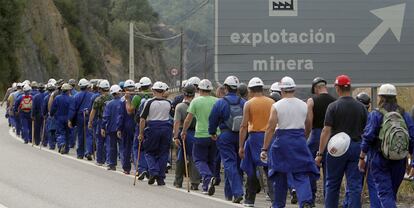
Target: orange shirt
{"type": "Point", "coordinates": [259, 113]}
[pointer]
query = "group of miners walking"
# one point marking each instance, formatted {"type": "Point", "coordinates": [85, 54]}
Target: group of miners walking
{"type": "Point", "coordinates": [275, 142]}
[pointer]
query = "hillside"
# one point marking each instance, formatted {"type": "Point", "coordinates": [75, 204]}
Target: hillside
{"type": "Point", "coordinates": [75, 38]}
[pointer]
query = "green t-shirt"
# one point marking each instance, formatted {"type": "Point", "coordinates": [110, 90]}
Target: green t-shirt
{"type": "Point", "coordinates": [136, 100]}
{"type": "Point", "coordinates": [201, 107]}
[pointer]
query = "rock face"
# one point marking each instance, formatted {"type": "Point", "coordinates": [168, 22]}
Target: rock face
{"type": "Point", "coordinates": [49, 49]}
{"type": "Point", "coordinates": [46, 50]}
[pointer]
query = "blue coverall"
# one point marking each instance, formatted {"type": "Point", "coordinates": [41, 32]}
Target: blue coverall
{"type": "Point", "coordinates": [60, 112]}
{"type": "Point", "coordinates": [387, 174]}
{"type": "Point", "coordinates": [111, 124]}
{"type": "Point", "coordinates": [38, 116]}
{"type": "Point", "coordinates": [17, 119]}
{"type": "Point", "coordinates": [128, 124]}
{"type": "Point", "coordinates": [228, 144]}
{"type": "Point", "coordinates": [142, 164]}
{"type": "Point", "coordinates": [51, 127]}
{"type": "Point", "coordinates": [80, 111]}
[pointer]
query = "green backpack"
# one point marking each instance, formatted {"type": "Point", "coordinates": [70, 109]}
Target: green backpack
{"type": "Point", "coordinates": [394, 136]}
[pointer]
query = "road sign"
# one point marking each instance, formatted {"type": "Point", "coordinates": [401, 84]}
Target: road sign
{"type": "Point", "coordinates": [371, 41]}
{"type": "Point", "coordinates": [174, 71]}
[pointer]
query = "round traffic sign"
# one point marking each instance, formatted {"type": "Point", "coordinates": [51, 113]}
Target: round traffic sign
{"type": "Point", "coordinates": [174, 71]}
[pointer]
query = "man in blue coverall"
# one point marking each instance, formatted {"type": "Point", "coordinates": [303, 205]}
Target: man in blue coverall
{"type": "Point", "coordinates": [228, 142]}
{"type": "Point", "coordinates": [60, 111]}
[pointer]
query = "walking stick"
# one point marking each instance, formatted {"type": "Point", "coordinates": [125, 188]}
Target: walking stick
{"type": "Point", "coordinates": [186, 167]}
{"type": "Point", "coordinates": [43, 133]}
{"type": "Point", "coordinates": [136, 164]}
{"type": "Point", "coordinates": [93, 144]}
{"type": "Point", "coordinates": [33, 139]}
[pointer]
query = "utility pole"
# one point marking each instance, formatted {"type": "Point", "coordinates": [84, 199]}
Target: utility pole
{"type": "Point", "coordinates": [205, 61]}
{"type": "Point", "coordinates": [131, 51]}
{"type": "Point", "coordinates": [181, 58]}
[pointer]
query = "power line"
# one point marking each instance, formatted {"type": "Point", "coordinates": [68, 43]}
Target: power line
{"type": "Point", "coordinates": [191, 12]}
{"type": "Point", "coordinates": [139, 34]}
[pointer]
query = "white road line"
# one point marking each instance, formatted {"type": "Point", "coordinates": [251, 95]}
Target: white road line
{"type": "Point", "coordinates": [121, 173]}
{"type": "Point", "coordinates": [2, 206]}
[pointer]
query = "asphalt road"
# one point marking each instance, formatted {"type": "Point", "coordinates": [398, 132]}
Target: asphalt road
{"type": "Point", "coordinates": [30, 177]}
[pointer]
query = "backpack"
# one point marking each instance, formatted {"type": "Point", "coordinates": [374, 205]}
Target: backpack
{"type": "Point", "coordinates": [26, 104]}
{"type": "Point", "coordinates": [394, 136]}
{"type": "Point", "coordinates": [236, 115]}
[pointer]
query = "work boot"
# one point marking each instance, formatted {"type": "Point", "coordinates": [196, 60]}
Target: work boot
{"type": "Point", "coordinates": [160, 182]}
{"type": "Point", "coordinates": [88, 157]}
{"type": "Point", "coordinates": [237, 200]}
{"type": "Point", "coordinates": [152, 180]}
{"type": "Point", "coordinates": [80, 157]}
{"type": "Point", "coordinates": [294, 199]}
{"type": "Point", "coordinates": [111, 167]}
{"type": "Point", "coordinates": [211, 189]}
{"type": "Point", "coordinates": [126, 172]}
{"type": "Point", "coordinates": [307, 205]}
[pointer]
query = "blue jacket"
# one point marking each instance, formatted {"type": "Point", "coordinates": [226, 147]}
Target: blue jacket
{"type": "Point", "coordinates": [112, 112]}
{"type": "Point", "coordinates": [126, 120]}
{"type": "Point", "coordinates": [82, 102]}
{"type": "Point", "coordinates": [37, 105]}
{"type": "Point", "coordinates": [45, 103]}
{"type": "Point", "coordinates": [221, 112]}
{"type": "Point", "coordinates": [60, 107]}
{"type": "Point", "coordinates": [370, 140]}
{"type": "Point", "coordinates": [34, 92]}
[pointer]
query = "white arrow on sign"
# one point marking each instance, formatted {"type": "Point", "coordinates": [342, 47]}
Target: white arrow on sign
{"type": "Point", "coordinates": [392, 19]}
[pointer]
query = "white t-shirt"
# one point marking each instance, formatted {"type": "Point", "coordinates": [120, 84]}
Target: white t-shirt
{"type": "Point", "coordinates": [291, 113]}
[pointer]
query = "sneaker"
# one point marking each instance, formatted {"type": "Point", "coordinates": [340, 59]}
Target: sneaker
{"type": "Point", "coordinates": [217, 182]}
{"type": "Point", "coordinates": [294, 199]}
{"type": "Point", "coordinates": [80, 157]}
{"type": "Point", "coordinates": [88, 157]}
{"type": "Point", "coordinates": [237, 200]}
{"type": "Point", "coordinates": [204, 192]}
{"type": "Point", "coordinates": [126, 172]}
{"type": "Point", "coordinates": [152, 180]}
{"type": "Point", "coordinates": [169, 166]}
{"type": "Point", "coordinates": [248, 204]}
{"type": "Point", "coordinates": [111, 167]}
{"type": "Point", "coordinates": [142, 175]}
{"type": "Point", "coordinates": [211, 188]}
{"type": "Point", "coordinates": [99, 164]}
{"type": "Point", "coordinates": [194, 187]}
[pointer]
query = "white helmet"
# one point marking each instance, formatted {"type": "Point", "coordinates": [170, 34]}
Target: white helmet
{"type": "Point", "coordinates": [137, 86]}
{"type": "Point", "coordinates": [194, 81]}
{"type": "Point", "coordinates": [145, 81]}
{"type": "Point", "coordinates": [27, 88]}
{"type": "Point", "coordinates": [104, 84]}
{"type": "Point", "coordinates": [26, 82]}
{"type": "Point", "coordinates": [166, 86]}
{"type": "Point", "coordinates": [255, 82]}
{"type": "Point", "coordinates": [205, 84]}
{"type": "Point", "coordinates": [20, 84]}
{"type": "Point", "coordinates": [129, 83]}
{"type": "Point", "coordinates": [66, 86]}
{"type": "Point", "coordinates": [83, 83]}
{"type": "Point", "coordinates": [287, 83]}
{"type": "Point", "coordinates": [275, 87]}
{"type": "Point", "coordinates": [50, 86]}
{"type": "Point", "coordinates": [115, 89]}
{"type": "Point", "coordinates": [387, 89]}
{"type": "Point", "coordinates": [184, 83]}
{"type": "Point", "coordinates": [159, 86]}
{"type": "Point", "coordinates": [340, 142]}
{"type": "Point", "coordinates": [232, 81]}
{"type": "Point", "coordinates": [14, 85]}
{"type": "Point", "coordinates": [53, 81]}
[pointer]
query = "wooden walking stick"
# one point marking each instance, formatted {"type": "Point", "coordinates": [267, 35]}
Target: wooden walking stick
{"type": "Point", "coordinates": [33, 139]}
{"type": "Point", "coordinates": [136, 164]}
{"type": "Point", "coordinates": [186, 167]}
